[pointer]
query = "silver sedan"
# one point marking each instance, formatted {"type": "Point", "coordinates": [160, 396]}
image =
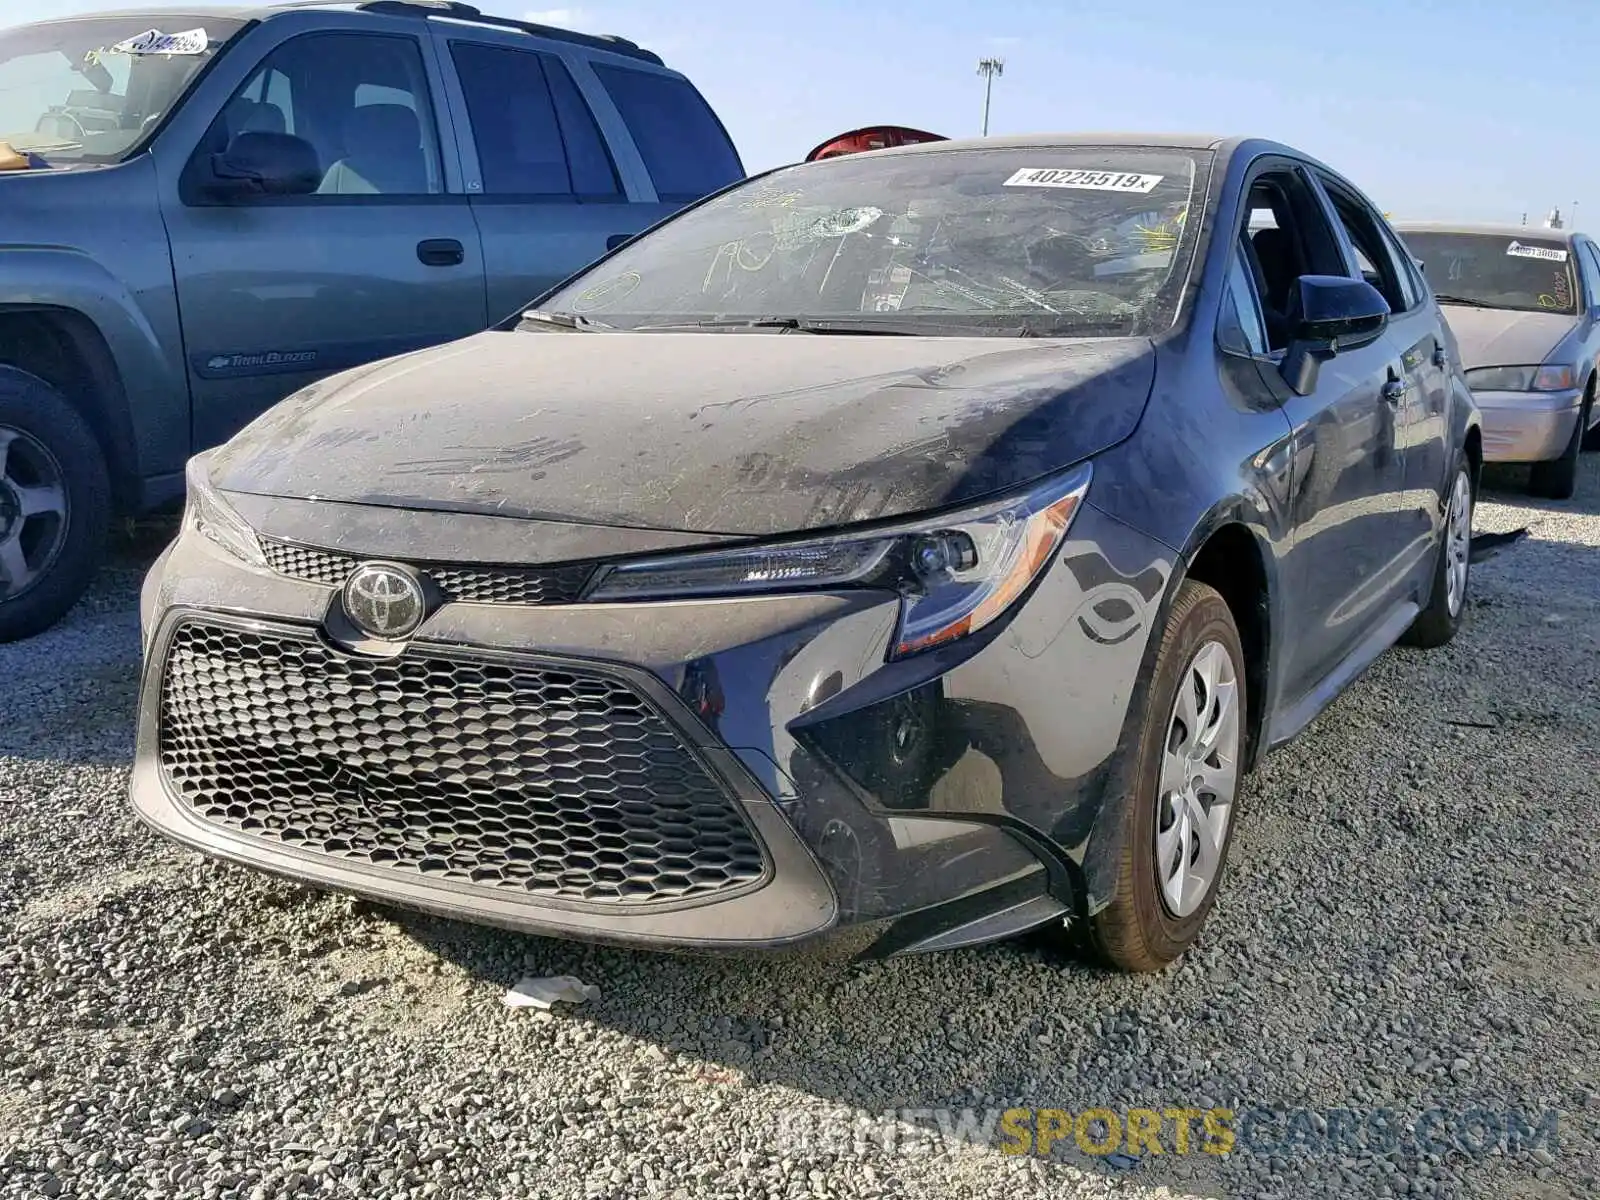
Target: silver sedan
{"type": "Point", "coordinates": [1525, 308]}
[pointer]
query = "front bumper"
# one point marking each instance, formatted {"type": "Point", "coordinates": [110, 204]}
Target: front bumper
{"type": "Point", "coordinates": [1525, 427]}
{"type": "Point", "coordinates": [905, 806]}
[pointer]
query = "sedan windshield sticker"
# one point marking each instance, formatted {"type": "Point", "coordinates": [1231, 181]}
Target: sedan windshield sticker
{"type": "Point", "coordinates": [190, 41]}
{"type": "Point", "coordinates": [1518, 250]}
{"type": "Point", "coordinates": [1092, 181]}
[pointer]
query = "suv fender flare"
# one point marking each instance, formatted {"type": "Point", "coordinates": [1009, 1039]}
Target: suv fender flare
{"type": "Point", "coordinates": [120, 352]}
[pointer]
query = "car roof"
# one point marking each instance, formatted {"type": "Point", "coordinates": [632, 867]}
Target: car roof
{"type": "Point", "coordinates": [1154, 141]}
{"type": "Point", "coordinates": [1225, 147]}
{"type": "Point", "coordinates": [418, 9]}
{"type": "Point", "coordinates": [1488, 229]}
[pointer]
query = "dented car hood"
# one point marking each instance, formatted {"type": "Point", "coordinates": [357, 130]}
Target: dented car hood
{"type": "Point", "coordinates": [716, 433]}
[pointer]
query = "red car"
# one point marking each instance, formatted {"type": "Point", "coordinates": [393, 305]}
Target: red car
{"type": "Point", "coordinates": [872, 137]}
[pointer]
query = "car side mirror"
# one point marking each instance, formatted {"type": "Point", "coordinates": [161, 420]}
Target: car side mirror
{"type": "Point", "coordinates": [264, 164]}
{"type": "Point", "coordinates": [1329, 313]}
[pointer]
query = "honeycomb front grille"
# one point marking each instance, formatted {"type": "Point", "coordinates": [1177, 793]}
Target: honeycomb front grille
{"type": "Point", "coordinates": [474, 584]}
{"type": "Point", "coordinates": [533, 779]}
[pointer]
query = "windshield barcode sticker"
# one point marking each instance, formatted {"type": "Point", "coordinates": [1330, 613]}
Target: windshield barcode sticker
{"type": "Point", "coordinates": [1518, 250]}
{"type": "Point", "coordinates": [1093, 181]}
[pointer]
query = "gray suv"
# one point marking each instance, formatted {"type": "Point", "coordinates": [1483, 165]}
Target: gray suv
{"type": "Point", "coordinates": [205, 210]}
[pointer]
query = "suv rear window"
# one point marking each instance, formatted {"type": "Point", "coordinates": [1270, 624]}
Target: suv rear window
{"type": "Point", "coordinates": [684, 146]}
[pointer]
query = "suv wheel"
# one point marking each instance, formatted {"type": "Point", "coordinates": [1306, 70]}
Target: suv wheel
{"type": "Point", "coordinates": [1178, 824]}
{"type": "Point", "coordinates": [55, 504]}
{"type": "Point", "coordinates": [1452, 570]}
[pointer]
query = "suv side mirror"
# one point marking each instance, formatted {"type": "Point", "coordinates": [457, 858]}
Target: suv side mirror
{"type": "Point", "coordinates": [1329, 313]}
{"type": "Point", "coordinates": [263, 164]}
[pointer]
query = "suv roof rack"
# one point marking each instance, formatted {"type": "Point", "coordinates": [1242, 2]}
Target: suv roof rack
{"type": "Point", "coordinates": [456, 10]}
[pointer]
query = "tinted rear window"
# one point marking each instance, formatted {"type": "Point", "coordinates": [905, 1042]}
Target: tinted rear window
{"type": "Point", "coordinates": [534, 134]}
{"type": "Point", "coordinates": [680, 139]}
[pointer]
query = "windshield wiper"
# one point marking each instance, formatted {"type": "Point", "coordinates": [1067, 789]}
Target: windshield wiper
{"type": "Point", "coordinates": [847, 326]}
{"type": "Point", "coordinates": [563, 320]}
{"type": "Point", "coordinates": [798, 324]}
{"type": "Point", "coordinates": [1462, 300]}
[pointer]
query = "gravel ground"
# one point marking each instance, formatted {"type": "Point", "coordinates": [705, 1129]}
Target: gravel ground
{"type": "Point", "coordinates": [1410, 925]}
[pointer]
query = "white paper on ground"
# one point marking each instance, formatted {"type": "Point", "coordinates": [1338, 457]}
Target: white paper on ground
{"type": "Point", "coordinates": [547, 991]}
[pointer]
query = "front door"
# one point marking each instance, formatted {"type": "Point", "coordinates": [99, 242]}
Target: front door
{"type": "Point", "coordinates": [1416, 335]}
{"type": "Point", "coordinates": [277, 291]}
{"type": "Point", "coordinates": [1348, 474]}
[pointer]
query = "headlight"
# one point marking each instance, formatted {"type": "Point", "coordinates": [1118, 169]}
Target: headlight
{"type": "Point", "coordinates": [206, 513]}
{"type": "Point", "coordinates": [1521, 379]}
{"type": "Point", "coordinates": [955, 574]}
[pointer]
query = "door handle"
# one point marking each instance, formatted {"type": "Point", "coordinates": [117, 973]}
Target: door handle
{"type": "Point", "coordinates": [617, 240]}
{"type": "Point", "coordinates": [1394, 391]}
{"type": "Point", "coordinates": [441, 252]}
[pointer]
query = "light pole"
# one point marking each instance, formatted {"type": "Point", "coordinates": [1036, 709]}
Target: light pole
{"type": "Point", "coordinates": [989, 68]}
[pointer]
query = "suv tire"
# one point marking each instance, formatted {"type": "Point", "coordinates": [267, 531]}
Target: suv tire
{"type": "Point", "coordinates": [55, 504]}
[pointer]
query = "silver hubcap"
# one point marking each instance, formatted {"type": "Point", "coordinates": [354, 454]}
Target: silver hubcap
{"type": "Point", "coordinates": [1458, 543]}
{"type": "Point", "coordinates": [33, 511]}
{"type": "Point", "coordinates": [1199, 773]}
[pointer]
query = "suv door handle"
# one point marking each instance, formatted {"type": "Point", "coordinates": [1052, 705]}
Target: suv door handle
{"type": "Point", "coordinates": [441, 252]}
{"type": "Point", "coordinates": [617, 240]}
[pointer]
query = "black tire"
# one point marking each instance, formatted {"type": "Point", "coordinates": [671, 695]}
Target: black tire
{"type": "Point", "coordinates": [1138, 931]}
{"type": "Point", "coordinates": [1557, 479]}
{"type": "Point", "coordinates": [1591, 437]}
{"type": "Point", "coordinates": [1438, 623]}
{"type": "Point", "coordinates": [67, 551]}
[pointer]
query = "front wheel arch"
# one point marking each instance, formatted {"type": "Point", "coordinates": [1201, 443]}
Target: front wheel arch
{"type": "Point", "coordinates": [1224, 527]}
{"type": "Point", "coordinates": [66, 350]}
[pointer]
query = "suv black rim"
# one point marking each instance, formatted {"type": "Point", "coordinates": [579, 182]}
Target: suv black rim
{"type": "Point", "coordinates": [33, 511]}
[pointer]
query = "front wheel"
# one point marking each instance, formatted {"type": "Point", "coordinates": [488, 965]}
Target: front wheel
{"type": "Point", "coordinates": [1178, 823]}
{"type": "Point", "coordinates": [1452, 571]}
{"type": "Point", "coordinates": [1557, 479]}
{"type": "Point", "coordinates": [55, 504]}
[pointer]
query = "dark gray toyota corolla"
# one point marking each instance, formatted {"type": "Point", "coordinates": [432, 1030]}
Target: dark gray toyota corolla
{"type": "Point", "coordinates": [908, 550]}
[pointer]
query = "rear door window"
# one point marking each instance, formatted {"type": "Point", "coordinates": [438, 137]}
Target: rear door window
{"type": "Point", "coordinates": [683, 144]}
{"type": "Point", "coordinates": [535, 136]}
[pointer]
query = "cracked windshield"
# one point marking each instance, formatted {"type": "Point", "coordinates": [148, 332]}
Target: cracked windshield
{"type": "Point", "coordinates": [1057, 242]}
{"type": "Point", "coordinates": [92, 90]}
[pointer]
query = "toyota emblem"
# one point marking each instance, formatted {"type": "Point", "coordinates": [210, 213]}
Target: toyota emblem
{"type": "Point", "coordinates": [384, 601]}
